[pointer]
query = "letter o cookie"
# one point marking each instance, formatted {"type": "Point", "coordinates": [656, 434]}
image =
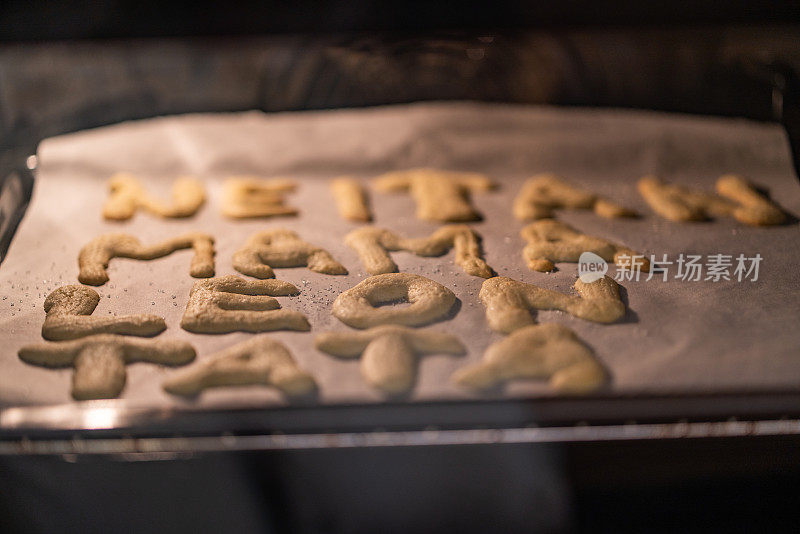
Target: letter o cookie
{"type": "Point", "coordinates": [429, 301]}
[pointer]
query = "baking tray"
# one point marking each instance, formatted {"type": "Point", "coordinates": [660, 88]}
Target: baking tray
{"type": "Point", "coordinates": [604, 151]}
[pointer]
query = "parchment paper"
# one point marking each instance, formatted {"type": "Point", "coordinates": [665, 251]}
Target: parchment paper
{"type": "Point", "coordinates": [678, 336]}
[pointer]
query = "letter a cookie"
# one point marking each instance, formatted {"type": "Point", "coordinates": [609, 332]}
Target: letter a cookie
{"type": "Point", "coordinates": [93, 258]}
{"type": "Point", "coordinates": [509, 302]}
{"type": "Point", "coordinates": [282, 248]}
{"type": "Point", "coordinates": [372, 245]}
{"type": "Point", "coordinates": [551, 241]}
{"type": "Point", "coordinates": [550, 351]}
{"type": "Point", "coordinates": [257, 361]}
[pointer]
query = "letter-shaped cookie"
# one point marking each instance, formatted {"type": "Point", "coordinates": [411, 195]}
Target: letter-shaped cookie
{"type": "Point", "coordinates": [388, 353]}
{"type": "Point", "coordinates": [69, 308]}
{"type": "Point", "coordinates": [752, 208]}
{"type": "Point", "coordinates": [441, 196]}
{"type": "Point", "coordinates": [233, 304]}
{"type": "Point", "coordinates": [100, 360]}
{"type": "Point", "coordinates": [543, 193]}
{"type": "Point", "coordinates": [372, 245]}
{"type": "Point", "coordinates": [678, 203]}
{"type": "Point", "coordinates": [95, 255]}
{"type": "Point", "coordinates": [257, 361]}
{"type": "Point", "coordinates": [551, 241]}
{"type": "Point", "coordinates": [741, 200]}
{"type": "Point", "coordinates": [127, 195]}
{"type": "Point", "coordinates": [351, 199]}
{"type": "Point", "coordinates": [538, 351]}
{"type": "Point", "coordinates": [244, 197]}
{"type": "Point", "coordinates": [429, 301]}
{"type": "Point", "coordinates": [282, 248]}
{"type": "Point", "coordinates": [509, 302]}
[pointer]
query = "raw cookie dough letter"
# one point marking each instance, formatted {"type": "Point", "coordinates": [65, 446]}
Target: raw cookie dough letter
{"type": "Point", "coordinates": [100, 360]}
{"type": "Point", "coordinates": [550, 241]}
{"type": "Point", "coordinates": [69, 308]}
{"type": "Point", "coordinates": [543, 193]}
{"type": "Point", "coordinates": [752, 207]}
{"type": "Point", "coordinates": [538, 351]}
{"type": "Point", "coordinates": [429, 301]}
{"type": "Point", "coordinates": [351, 199]}
{"type": "Point", "coordinates": [282, 248]}
{"type": "Point", "coordinates": [259, 360]}
{"type": "Point", "coordinates": [441, 196]}
{"type": "Point", "coordinates": [509, 302]}
{"type": "Point", "coordinates": [372, 245]}
{"type": "Point", "coordinates": [127, 195]}
{"type": "Point", "coordinates": [388, 353]}
{"type": "Point", "coordinates": [233, 304]}
{"type": "Point", "coordinates": [741, 200]}
{"type": "Point", "coordinates": [244, 197]}
{"type": "Point", "coordinates": [678, 203]}
{"type": "Point", "coordinates": [94, 257]}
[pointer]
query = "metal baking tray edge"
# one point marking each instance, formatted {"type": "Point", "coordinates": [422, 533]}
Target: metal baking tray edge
{"type": "Point", "coordinates": [111, 427]}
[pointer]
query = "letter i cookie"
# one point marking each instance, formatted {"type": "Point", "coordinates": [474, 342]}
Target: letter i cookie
{"type": "Point", "coordinates": [351, 199]}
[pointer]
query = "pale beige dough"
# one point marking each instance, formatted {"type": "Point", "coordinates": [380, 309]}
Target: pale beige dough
{"type": "Point", "coordinates": [351, 199]}
{"type": "Point", "coordinates": [233, 304]}
{"type": "Point", "coordinates": [245, 197]}
{"type": "Point", "coordinates": [389, 354]}
{"type": "Point", "coordinates": [738, 199]}
{"type": "Point", "coordinates": [372, 245]}
{"type": "Point", "coordinates": [429, 301]}
{"type": "Point", "coordinates": [128, 195]}
{"type": "Point", "coordinates": [257, 361]}
{"type": "Point", "coordinates": [509, 302]}
{"type": "Point", "coordinates": [441, 196]}
{"type": "Point", "coordinates": [100, 360]}
{"type": "Point", "coordinates": [69, 310]}
{"type": "Point", "coordinates": [678, 203]}
{"type": "Point", "coordinates": [94, 256]}
{"type": "Point", "coordinates": [551, 241]}
{"type": "Point", "coordinates": [282, 248]}
{"type": "Point", "coordinates": [545, 351]}
{"type": "Point", "coordinates": [751, 207]}
{"type": "Point", "coordinates": [543, 193]}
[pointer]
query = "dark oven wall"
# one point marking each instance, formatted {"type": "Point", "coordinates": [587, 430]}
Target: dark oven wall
{"type": "Point", "coordinates": [25, 20]}
{"type": "Point", "coordinates": [71, 65]}
{"type": "Point", "coordinates": [47, 88]}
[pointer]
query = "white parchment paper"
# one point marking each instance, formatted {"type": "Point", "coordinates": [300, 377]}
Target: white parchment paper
{"type": "Point", "coordinates": [678, 336]}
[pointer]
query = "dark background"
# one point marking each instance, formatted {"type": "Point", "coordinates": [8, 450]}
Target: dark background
{"type": "Point", "coordinates": [41, 20]}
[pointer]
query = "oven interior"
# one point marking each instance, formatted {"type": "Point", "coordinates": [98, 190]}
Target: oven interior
{"type": "Point", "coordinates": [588, 463]}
